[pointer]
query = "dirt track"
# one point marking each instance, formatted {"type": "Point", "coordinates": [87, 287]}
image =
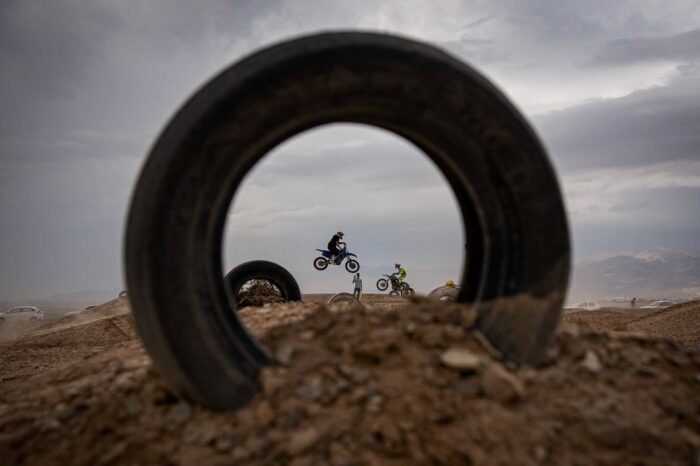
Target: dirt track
{"type": "Point", "coordinates": [378, 386]}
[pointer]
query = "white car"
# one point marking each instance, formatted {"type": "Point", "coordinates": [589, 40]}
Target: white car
{"type": "Point", "coordinates": [658, 305]}
{"type": "Point", "coordinates": [21, 313]}
{"type": "Point", "coordinates": [585, 306]}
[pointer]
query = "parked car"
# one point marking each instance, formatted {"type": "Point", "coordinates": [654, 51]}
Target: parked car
{"type": "Point", "coordinates": [658, 305]}
{"type": "Point", "coordinates": [584, 306]}
{"type": "Point", "coordinates": [20, 314]}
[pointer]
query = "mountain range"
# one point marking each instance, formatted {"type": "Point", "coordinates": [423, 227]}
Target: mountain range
{"type": "Point", "coordinates": [658, 273]}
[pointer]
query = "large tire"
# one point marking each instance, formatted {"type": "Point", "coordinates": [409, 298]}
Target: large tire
{"type": "Point", "coordinates": [382, 284]}
{"type": "Point", "coordinates": [352, 266]}
{"type": "Point", "coordinates": [321, 263]}
{"type": "Point", "coordinates": [343, 298]}
{"type": "Point", "coordinates": [444, 293]}
{"type": "Point", "coordinates": [512, 210]}
{"type": "Point", "coordinates": [263, 270]}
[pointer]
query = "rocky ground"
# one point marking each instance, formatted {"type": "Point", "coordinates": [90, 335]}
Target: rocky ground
{"type": "Point", "coordinates": [396, 384]}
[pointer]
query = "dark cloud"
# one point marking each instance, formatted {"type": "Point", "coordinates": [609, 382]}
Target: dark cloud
{"type": "Point", "coordinates": [684, 46]}
{"type": "Point", "coordinates": [86, 86]}
{"type": "Point", "coordinates": [649, 126]}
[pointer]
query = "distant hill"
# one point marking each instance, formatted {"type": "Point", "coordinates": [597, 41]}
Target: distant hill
{"type": "Point", "coordinates": [659, 273]}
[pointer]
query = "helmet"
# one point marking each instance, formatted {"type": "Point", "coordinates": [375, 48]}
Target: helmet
{"type": "Point", "coordinates": [340, 233]}
{"type": "Point", "coordinates": [397, 265]}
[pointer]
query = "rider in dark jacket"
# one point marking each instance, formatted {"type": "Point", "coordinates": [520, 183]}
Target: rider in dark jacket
{"type": "Point", "coordinates": [334, 243]}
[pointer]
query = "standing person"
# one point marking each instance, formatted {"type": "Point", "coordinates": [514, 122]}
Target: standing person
{"type": "Point", "coordinates": [334, 244]}
{"type": "Point", "coordinates": [357, 281]}
{"type": "Point", "coordinates": [634, 301]}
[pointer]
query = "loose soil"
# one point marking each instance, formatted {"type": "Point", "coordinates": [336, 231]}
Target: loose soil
{"type": "Point", "coordinates": [258, 293]}
{"type": "Point", "coordinates": [406, 384]}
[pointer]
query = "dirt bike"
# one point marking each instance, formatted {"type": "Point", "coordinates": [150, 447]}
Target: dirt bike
{"type": "Point", "coordinates": [327, 257]}
{"type": "Point", "coordinates": [397, 287]}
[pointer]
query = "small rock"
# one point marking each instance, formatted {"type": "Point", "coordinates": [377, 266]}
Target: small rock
{"type": "Point", "coordinates": [310, 391]}
{"type": "Point", "coordinates": [591, 362]}
{"type": "Point", "coordinates": [178, 413]}
{"type": "Point", "coordinates": [50, 423]}
{"type": "Point", "coordinates": [460, 359]}
{"type": "Point", "coordinates": [271, 379]}
{"type": "Point", "coordinates": [374, 403]}
{"type": "Point", "coordinates": [264, 413]}
{"type": "Point", "coordinates": [410, 328]}
{"type": "Point", "coordinates": [302, 440]}
{"type": "Point", "coordinates": [284, 353]}
{"type": "Point", "coordinates": [132, 406]}
{"type": "Point", "coordinates": [540, 453]}
{"type": "Point", "coordinates": [199, 434]}
{"type": "Point", "coordinates": [62, 411]}
{"type": "Point", "coordinates": [501, 385]}
{"type": "Point", "coordinates": [223, 442]}
{"type": "Point", "coordinates": [453, 332]}
{"type": "Point", "coordinates": [124, 381]}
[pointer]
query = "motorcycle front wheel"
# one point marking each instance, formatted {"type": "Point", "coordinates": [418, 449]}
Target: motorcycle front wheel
{"type": "Point", "coordinates": [320, 263]}
{"type": "Point", "coordinates": [382, 284]}
{"type": "Point", "coordinates": [352, 265]}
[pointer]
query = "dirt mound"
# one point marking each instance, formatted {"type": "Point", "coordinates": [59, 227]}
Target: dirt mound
{"type": "Point", "coordinates": [369, 386]}
{"type": "Point", "coordinates": [58, 344]}
{"type": "Point", "coordinates": [606, 319]}
{"type": "Point", "coordinates": [679, 323]}
{"type": "Point", "coordinates": [258, 293]}
{"type": "Point", "coordinates": [14, 331]}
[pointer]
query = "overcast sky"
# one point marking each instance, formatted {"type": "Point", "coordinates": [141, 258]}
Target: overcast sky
{"type": "Point", "coordinates": [613, 89]}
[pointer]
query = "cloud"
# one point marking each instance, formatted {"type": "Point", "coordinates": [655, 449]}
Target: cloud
{"type": "Point", "coordinates": [611, 86]}
{"type": "Point", "coordinates": [684, 46]}
{"type": "Point", "coordinates": [646, 127]}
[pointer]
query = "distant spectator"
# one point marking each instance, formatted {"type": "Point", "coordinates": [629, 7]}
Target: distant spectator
{"type": "Point", "coordinates": [633, 301]}
{"type": "Point", "coordinates": [357, 281]}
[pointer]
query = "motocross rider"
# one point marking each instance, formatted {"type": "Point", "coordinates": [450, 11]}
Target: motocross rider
{"type": "Point", "coordinates": [334, 245]}
{"type": "Point", "coordinates": [400, 273]}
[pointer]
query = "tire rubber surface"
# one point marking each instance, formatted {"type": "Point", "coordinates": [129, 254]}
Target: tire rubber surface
{"type": "Point", "coordinates": [263, 270]}
{"type": "Point", "coordinates": [343, 298]}
{"type": "Point", "coordinates": [517, 240]}
{"type": "Point", "coordinates": [448, 293]}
